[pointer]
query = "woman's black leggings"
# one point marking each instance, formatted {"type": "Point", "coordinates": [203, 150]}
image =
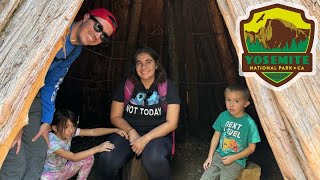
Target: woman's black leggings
{"type": "Point", "coordinates": [154, 157]}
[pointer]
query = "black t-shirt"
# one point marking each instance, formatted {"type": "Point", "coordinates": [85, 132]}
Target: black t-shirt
{"type": "Point", "coordinates": [144, 112]}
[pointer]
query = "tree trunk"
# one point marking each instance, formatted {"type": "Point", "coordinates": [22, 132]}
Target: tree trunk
{"type": "Point", "coordinates": [222, 43]}
{"type": "Point", "coordinates": [7, 7]}
{"type": "Point", "coordinates": [29, 41]}
{"type": "Point", "coordinates": [290, 118]}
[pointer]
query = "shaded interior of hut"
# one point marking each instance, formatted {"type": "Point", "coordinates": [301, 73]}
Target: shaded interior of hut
{"type": "Point", "coordinates": [199, 56]}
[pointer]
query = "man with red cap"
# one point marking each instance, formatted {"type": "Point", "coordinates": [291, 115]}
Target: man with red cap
{"type": "Point", "coordinates": [26, 158]}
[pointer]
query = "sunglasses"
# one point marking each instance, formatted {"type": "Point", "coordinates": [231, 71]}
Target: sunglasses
{"type": "Point", "coordinates": [148, 94]}
{"type": "Point", "coordinates": [98, 28]}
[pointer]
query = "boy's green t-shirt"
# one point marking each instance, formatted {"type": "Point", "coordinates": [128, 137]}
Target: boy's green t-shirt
{"type": "Point", "coordinates": [236, 134]}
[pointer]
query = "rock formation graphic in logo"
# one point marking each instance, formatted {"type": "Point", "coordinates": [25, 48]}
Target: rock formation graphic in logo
{"type": "Point", "coordinates": [277, 41]}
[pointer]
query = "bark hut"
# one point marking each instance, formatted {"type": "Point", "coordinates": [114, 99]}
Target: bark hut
{"type": "Point", "coordinates": [290, 118]}
{"type": "Point", "coordinates": [31, 34]}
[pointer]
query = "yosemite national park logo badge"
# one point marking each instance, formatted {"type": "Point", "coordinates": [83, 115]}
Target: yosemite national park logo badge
{"type": "Point", "coordinates": [278, 44]}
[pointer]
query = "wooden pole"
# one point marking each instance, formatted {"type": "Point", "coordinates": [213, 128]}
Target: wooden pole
{"type": "Point", "coordinates": [134, 26]}
{"type": "Point", "coordinates": [171, 37]}
{"type": "Point", "coordinates": [222, 42]}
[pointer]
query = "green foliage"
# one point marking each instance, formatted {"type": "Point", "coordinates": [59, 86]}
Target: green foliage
{"type": "Point", "coordinates": [277, 76]}
{"type": "Point", "coordinates": [257, 46]}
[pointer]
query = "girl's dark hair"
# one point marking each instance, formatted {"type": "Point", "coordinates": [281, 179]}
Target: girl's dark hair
{"type": "Point", "coordinates": [160, 73]}
{"type": "Point", "coordinates": [61, 117]}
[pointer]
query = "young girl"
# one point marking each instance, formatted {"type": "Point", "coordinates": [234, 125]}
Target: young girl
{"type": "Point", "coordinates": [61, 163]}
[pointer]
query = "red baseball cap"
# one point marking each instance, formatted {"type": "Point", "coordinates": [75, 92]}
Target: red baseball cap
{"type": "Point", "coordinates": [105, 14]}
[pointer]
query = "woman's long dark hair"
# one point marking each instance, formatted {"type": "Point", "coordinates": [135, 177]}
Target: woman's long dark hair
{"type": "Point", "coordinates": [61, 117]}
{"type": "Point", "coordinates": [160, 73]}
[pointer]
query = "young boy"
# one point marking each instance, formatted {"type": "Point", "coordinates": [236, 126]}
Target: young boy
{"type": "Point", "coordinates": [237, 135]}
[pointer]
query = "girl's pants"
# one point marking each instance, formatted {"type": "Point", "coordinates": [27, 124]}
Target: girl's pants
{"type": "Point", "coordinates": [70, 169]}
{"type": "Point", "coordinates": [154, 158]}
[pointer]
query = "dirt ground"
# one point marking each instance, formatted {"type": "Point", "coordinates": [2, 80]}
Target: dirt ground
{"type": "Point", "coordinates": [192, 152]}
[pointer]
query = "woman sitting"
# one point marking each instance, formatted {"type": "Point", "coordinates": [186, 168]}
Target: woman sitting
{"type": "Point", "coordinates": [148, 117]}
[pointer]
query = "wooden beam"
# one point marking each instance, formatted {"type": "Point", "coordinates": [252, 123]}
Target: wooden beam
{"type": "Point", "coordinates": [290, 118]}
{"type": "Point", "coordinates": [33, 33]}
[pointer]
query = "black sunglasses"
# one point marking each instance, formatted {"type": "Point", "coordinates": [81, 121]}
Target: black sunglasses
{"type": "Point", "coordinates": [98, 28]}
{"type": "Point", "coordinates": [148, 94]}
